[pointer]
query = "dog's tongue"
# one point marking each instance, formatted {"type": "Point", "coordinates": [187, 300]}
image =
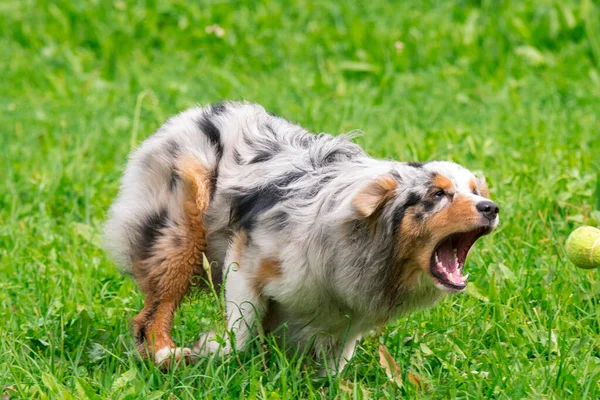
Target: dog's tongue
{"type": "Point", "coordinates": [447, 263]}
{"type": "Point", "coordinates": [447, 257]}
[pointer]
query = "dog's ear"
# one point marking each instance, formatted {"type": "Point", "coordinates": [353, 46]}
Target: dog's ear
{"type": "Point", "coordinates": [374, 195]}
{"type": "Point", "coordinates": [483, 187]}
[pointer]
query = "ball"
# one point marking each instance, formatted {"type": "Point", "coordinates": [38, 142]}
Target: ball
{"type": "Point", "coordinates": [583, 247]}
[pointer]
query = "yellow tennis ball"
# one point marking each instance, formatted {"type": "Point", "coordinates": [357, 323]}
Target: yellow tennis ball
{"type": "Point", "coordinates": [583, 247]}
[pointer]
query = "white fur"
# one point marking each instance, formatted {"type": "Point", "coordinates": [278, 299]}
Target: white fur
{"type": "Point", "coordinates": [332, 286]}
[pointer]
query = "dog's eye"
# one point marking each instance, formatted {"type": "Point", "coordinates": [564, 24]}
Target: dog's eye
{"type": "Point", "coordinates": [439, 194]}
{"type": "Point", "coordinates": [476, 192]}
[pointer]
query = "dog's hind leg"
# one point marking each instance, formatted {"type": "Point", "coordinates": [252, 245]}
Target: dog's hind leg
{"type": "Point", "coordinates": [174, 259]}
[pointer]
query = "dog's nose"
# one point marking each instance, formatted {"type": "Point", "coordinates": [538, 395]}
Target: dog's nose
{"type": "Point", "coordinates": [488, 209]}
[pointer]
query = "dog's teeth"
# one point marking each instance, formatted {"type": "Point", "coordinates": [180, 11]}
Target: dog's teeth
{"type": "Point", "coordinates": [437, 259]}
{"type": "Point", "coordinates": [465, 277]}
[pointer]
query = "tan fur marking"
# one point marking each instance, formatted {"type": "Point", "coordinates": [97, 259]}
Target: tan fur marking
{"type": "Point", "coordinates": [374, 195]}
{"type": "Point", "coordinates": [197, 183]}
{"type": "Point", "coordinates": [239, 242]}
{"type": "Point", "coordinates": [166, 276]}
{"type": "Point", "coordinates": [269, 269]}
{"type": "Point", "coordinates": [473, 184]}
{"type": "Point", "coordinates": [410, 230]}
{"type": "Point", "coordinates": [442, 182]}
{"type": "Point", "coordinates": [409, 247]}
{"type": "Point", "coordinates": [459, 216]}
{"type": "Point", "coordinates": [483, 188]}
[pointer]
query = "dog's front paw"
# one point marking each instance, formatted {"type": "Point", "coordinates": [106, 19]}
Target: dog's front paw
{"type": "Point", "coordinates": [210, 343]}
{"type": "Point", "coordinates": [168, 356]}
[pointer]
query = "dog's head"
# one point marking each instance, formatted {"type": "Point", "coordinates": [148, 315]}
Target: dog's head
{"type": "Point", "coordinates": [437, 211]}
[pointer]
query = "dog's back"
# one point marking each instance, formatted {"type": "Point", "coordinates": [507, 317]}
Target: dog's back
{"type": "Point", "coordinates": [151, 192]}
{"type": "Point", "coordinates": [241, 147]}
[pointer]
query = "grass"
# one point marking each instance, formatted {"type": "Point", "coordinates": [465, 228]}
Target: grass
{"type": "Point", "coordinates": [508, 88]}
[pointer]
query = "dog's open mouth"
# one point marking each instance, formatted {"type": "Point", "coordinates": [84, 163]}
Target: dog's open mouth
{"type": "Point", "coordinates": [448, 258]}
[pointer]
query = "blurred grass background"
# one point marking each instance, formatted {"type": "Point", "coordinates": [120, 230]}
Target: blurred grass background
{"type": "Point", "coordinates": [507, 88]}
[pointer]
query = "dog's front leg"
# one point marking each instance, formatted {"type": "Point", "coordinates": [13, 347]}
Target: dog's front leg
{"type": "Point", "coordinates": [334, 356]}
{"type": "Point", "coordinates": [244, 308]}
{"type": "Point", "coordinates": [245, 303]}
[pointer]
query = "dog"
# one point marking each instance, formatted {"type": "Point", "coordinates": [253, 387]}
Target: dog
{"type": "Point", "coordinates": [303, 230]}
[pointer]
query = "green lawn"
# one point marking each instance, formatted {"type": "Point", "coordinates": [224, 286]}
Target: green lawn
{"type": "Point", "coordinates": [508, 88]}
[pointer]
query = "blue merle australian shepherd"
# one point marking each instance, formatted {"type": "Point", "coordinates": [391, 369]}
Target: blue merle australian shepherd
{"type": "Point", "coordinates": [323, 238]}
